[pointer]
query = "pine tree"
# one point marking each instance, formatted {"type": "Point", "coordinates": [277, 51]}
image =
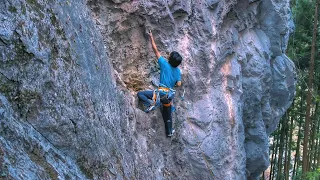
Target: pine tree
{"type": "Point", "coordinates": [310, 85]}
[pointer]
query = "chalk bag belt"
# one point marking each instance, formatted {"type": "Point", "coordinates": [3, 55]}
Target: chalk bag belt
{"type": "Point", "coordinates": [165, 89]}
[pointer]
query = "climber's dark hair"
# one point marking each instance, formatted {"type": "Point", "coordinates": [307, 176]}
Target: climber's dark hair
{"type": "Point", "coordinates": [175, 59]}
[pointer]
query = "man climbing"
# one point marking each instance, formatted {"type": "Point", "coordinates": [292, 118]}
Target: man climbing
{"type": "Point", "coordinates": [170, 76]}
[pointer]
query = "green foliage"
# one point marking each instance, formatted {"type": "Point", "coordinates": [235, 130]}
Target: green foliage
{"type": "Point", "coordinates": [313, 175]}
{"type": "Point", "coordinates": [299, 48]}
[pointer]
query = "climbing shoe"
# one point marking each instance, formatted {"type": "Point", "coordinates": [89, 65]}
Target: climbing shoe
{"type": "Point", "coordinates": [172, 132]}
{"type": "Point", "coordinates": [150, 108]}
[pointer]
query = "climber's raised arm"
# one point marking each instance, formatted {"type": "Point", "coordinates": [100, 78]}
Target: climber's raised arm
{"type": "Point", "coordinates": [154, 46]}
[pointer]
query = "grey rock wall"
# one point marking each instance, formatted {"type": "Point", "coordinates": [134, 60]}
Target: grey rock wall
{"type": "Point", "coordinates": [70, 71]}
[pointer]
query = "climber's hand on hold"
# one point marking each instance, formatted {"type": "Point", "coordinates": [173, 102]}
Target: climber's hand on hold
{"type": "Point", "coordinates": [150, 34]}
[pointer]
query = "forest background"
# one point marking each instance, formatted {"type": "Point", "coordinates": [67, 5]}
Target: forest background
{"type": "Point", "coordinates": [295, 145]}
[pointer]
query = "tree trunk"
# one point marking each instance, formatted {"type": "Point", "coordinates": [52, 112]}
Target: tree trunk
{"type": "Point", "coordinates": [312, 140]}
{"type": "Point", "coordinates": [318, 156]}
{"type": "Point", "coordinates": [316, 130]}
{"type": "Point", "coordinates": [286, 143]}
{"type": "Point", "coordinates": [297, 155]}
{"type": "Point", "coordinates": [314, 166]}
{"type": "Point", "coordinates": [281, 145]}
{"type": "Point", "coordinates": [310, 83]}
{"type": "Point", "coordinates": [274, 153]}
{"type": "Point", "coordinates": [291, 115]}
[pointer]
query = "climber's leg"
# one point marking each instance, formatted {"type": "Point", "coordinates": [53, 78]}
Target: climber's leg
{"type": "Point", "coordinates": [146, 98]}
{"type": "Point", "coordinates": [166, 114]}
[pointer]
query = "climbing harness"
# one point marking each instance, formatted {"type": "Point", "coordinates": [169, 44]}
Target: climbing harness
{"type": "Point", "coordinates": [163, 92]}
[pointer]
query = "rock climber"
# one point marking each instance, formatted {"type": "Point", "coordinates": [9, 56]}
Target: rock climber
{"type": "Point", "coordinates": [170, 76]}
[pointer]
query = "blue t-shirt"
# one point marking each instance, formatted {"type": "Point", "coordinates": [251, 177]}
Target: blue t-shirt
{"type": "Point", "coordinates": [168, 75]}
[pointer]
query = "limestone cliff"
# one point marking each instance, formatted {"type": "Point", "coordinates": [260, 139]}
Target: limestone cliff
{"type": "Point", "coordinates": [70, 70]}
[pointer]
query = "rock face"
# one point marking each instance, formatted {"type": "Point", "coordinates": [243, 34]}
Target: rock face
{"type": "Point", "coordinates": [70, 71]}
